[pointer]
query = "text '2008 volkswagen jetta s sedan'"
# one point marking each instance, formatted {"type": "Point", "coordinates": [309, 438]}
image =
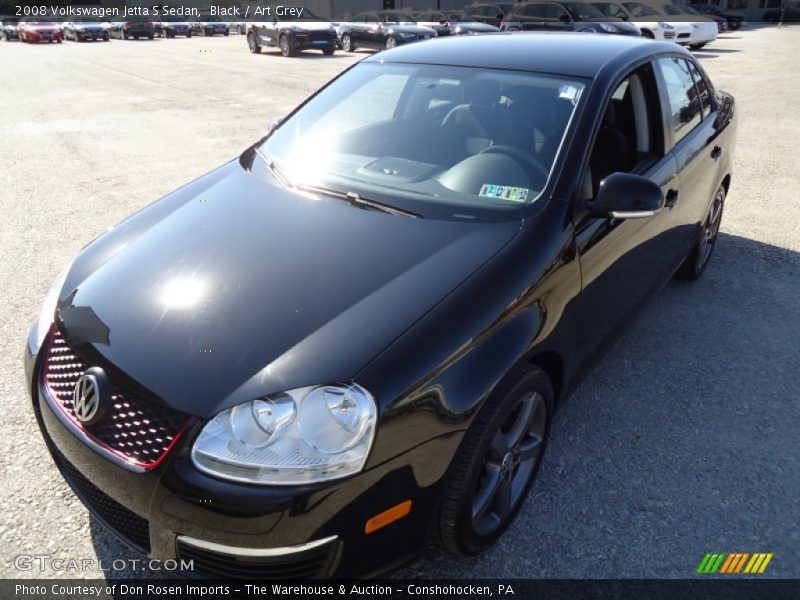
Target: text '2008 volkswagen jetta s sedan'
{"type": "Point", "coordinates": [349, 342]}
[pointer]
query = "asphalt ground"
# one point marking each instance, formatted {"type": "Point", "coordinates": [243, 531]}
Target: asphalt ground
{"type": "Point", "coordinates": [682, 441]}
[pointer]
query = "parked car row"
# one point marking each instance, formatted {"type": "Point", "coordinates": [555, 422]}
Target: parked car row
{"type": "Point", "coordinates": [41, 29]}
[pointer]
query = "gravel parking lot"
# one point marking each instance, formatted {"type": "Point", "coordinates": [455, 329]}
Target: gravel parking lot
{"type": "Point", "coordinates": [684, 440]}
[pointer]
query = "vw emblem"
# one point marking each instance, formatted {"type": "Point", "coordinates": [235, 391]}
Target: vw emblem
{"type": "Point", "coordinates": [86, 398]}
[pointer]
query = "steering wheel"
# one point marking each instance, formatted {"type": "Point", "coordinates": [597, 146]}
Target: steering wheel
{"type": "Point", "coordinates": [518, 154]}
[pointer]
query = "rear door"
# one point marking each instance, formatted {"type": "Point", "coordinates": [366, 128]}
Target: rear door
{"type": "Point", "coordinates": [692, 125]}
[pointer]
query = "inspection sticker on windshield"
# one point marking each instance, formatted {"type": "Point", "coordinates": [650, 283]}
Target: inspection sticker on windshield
{"type": "Point", "coordinates": [567, 91]}
{"type": "Point", "coordinates": [504, 192]}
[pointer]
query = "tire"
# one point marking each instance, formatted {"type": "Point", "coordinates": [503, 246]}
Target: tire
{"type": "Point", "coordinates": [285, 45]}
{"type": "Point", "coordinates": [490, 476]}
{"type": "Point", "coordinates": [252, 43]}
{"type": "Point", "coordinates": [227, 33]}
{"type": "Point", "coordinates": [205, 32]}
{"type": "Point", "coordinates": [695, 264]}
{"type": "Point", "coordinates": [391, 42]}
{"type": "Point", "coordinates": [646, 33]}
{"type": "Point", "coordinates": [151, 36]}
{"type": "Point", "coordinates": [329, 50]}
{"type": "Point", "coordinates": [347, 43]}
{"type": "Point", "coordinates": [696, 46]}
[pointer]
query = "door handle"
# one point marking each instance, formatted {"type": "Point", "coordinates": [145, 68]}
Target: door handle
{"type": "Point", "coordinates": [671, 198]}
{"type": "Point", "coordinates": [716, 152]}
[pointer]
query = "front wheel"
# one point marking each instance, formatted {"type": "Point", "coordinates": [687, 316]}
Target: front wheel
{"type": "Point", "coordinates": [285, 46]}
{"type": "Point", "coordinates": [696, 46]}
{"type": "Point", "coordinates": [347, 43]}
{"type": "Point", "coordinates": [252, 43]}
{"type": "Point", "coordinates": [497, 462]}
{"type": "Point", "coordinates": [646, 33]}
{"type": "Point", "coordinates": [695, 264]}
{"type": "Point", "coordinates": [391, 42]}
{"type": "Point", "coordinates": [328, 51]}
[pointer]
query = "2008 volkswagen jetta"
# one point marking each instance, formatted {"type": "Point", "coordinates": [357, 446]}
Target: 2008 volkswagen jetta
{"type": "Point", "coordinates": [349, 342]}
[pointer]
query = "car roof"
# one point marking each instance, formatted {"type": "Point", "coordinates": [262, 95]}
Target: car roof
{"type": "Point", "coordinates": [570, 54]}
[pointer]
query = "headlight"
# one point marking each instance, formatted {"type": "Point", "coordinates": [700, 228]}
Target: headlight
{"type": "Point", "coordinates": [302, 436]}
{"type": "Point", "coordinates": [665, 26]}
{"type": "Point", "coordinates": [48, 311]}
{"type": "Point", "coordinates": [608, 28]}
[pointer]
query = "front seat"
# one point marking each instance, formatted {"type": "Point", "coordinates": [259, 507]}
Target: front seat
{"type": "Point", "coordinates": [611, 151]}
{"type": "Point", "coordinates": [477, 124]}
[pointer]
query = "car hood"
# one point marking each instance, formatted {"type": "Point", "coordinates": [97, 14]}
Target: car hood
{"type": "Point", "coordinates": [232, 287]}
{"type": "Point", "coordinates": [41, 27]}
{"type": "Point", "coordinates": [409, 28]}
{"type": "Point", "coordinates": [475, 26]}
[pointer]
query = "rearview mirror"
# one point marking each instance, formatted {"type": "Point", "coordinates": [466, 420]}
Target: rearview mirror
{"type": "Point", "coordinates": [627, 196]}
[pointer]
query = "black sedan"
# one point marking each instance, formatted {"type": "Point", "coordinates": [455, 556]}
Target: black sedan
{"type": "Point", "coordinates": [127, 30]}
{"type": "Point", "coordinates": [380, 30]}
{"type": "Point", "coordinates": [345, 343]}
{"type": "Point", "coordinates": [84, 31]}
{"type": "Point", "coordinates": [463, 24]}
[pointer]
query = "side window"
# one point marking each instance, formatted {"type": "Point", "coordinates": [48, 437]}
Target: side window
{"type": "Point", "coordinates": [683, 100]}
{"type": "Point", "coordinates": [628, 139]}
{"type": "Point", "coordinates": [702, 89]}
{"type": "Point", "coordinates": [613, 10]}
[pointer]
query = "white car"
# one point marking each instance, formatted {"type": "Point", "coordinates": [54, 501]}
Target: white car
{"type": "Point", "coordinates": [646, 18]}
{"type": "Point", "coordinates": [704, 30]}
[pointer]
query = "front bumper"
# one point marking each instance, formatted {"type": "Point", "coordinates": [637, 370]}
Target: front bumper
{"type": "Point", "coordinates": [237, 530]}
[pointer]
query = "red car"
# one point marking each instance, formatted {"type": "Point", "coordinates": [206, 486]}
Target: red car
{"type": "Point", "coordinates": [40, 31]}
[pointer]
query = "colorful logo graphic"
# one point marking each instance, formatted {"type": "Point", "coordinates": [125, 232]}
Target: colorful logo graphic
{"type": "Point", "coordinates": [734, 562]}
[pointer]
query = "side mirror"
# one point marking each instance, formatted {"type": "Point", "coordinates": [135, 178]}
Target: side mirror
{"type": "Point", "coordinates": [273, 123]}
{"type": "Point", "coordinates": [627, 196]}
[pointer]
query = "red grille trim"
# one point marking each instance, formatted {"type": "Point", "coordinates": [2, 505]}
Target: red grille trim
{"type": "Point", "coordinates": [137, 431]}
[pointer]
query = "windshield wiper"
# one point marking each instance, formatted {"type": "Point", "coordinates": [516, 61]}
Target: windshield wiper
{"type": "Point", "coordinates": [351, 197]}
{"type": "Point", "coordinates": [275, 171]}
{"type": "Point", "coordinates": [356, 200]}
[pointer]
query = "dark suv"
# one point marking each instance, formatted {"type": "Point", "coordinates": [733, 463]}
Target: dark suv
{"type": "Point", "coordinates": [564, 16]}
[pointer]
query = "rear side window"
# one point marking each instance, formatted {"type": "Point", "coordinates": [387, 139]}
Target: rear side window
{"type": "Point", "coordinates": [685, 106]}
{"type": "Point", "coordinates": [702, 89]}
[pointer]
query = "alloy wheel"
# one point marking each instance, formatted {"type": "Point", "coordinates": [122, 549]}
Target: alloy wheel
{"type": "Point", "coordinates": [346, 43]}
{"type": "Point", "coordinates": [710, 230]}
{"type": "Point", "coordinates": [510, 464]}
{"type": "Point", "coordinates": [391, 43]}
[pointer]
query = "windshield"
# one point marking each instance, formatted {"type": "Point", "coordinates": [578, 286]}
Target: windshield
{"type": "Point", "coordinates": [414, 135]}
{"type": "Point", "coordinates": [639, 10]}
{"type": "Point", "coordinates": [581, 10]}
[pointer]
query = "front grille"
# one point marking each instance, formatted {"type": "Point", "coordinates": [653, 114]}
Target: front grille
{"type": "Point", "coordinates": [319, 36]}
{"type": "Point", "coordinates": [315, 563]}
{"type": "Point", "coordinates": [136, 428]}
{"type": "Point", "coordinates": [125, 523]}
{"type": "Point", "coordinates": [684, 35]}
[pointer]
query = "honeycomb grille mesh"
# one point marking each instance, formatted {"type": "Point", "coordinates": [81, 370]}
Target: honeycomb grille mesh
{"type": "Point", "coordinates": [135, 427]}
